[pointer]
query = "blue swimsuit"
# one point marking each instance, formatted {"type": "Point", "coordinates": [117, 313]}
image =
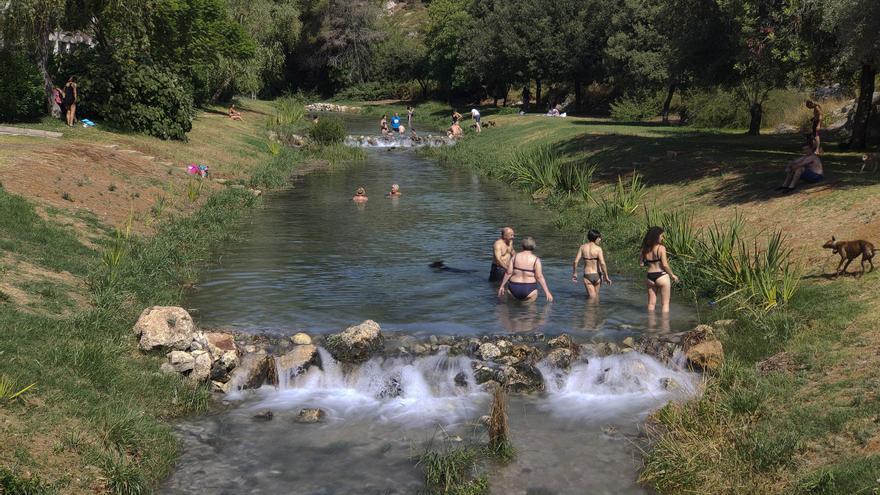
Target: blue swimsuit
{"type": "Point", "coordinates": [522, 290]}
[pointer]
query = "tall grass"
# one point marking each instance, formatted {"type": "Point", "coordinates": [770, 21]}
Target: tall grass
{"type": "Point", "coordinates": [540, 171]}
{"type": "Point", "coordinates": [289, 110]}
{"type": "Point", "coordinates": [626, 197]}
{"type": "Point", "coordinates": [452, 470]}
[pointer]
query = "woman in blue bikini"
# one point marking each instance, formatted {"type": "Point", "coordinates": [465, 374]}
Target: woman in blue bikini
{"type": "Point", "coordinates": [524, 274]}
{"type": "Point", "coordinates": [660, 276]}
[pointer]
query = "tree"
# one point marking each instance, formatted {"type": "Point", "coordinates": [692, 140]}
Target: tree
{"type": "Point", "coordinates": [401, 56]}
{"type": "Point", "coordinates": [487, 52]}
{"type": "Point", "coordinates": [448, 26]}
{"type": "Point", "coordinates": [348, 36]}
{"type": "Point", "coordinates": [855, 25]}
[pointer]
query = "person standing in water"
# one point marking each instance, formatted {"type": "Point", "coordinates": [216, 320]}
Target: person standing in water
{"type": "Point", "coordinates": [595, 270]}
{"type": "Point", "coordinates": [395, 191]}
{"type": "Point", "coordinates": [410, 112]}
{"type": "Point", "coordinates": [383, 124]}
{"type": "Point", "coordinates": [502, 251]}
{"type": "Point", "coordinates": [395, 123]}
{"type": "Point", "coordinates": [524, 275]}
{"type": "Point", "coordinates": [660, 276]}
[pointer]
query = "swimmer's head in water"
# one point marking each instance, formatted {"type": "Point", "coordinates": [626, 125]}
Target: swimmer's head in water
{"type": "Point", "coordinates": [360, 191]}
{"type": "Point", "coordinates": [395, 188]}
{"type": "Point", "coordinates": [528, 243]}
{"type": "Point", "coordinates": [507, 234]}
{"type": "Point", "coordinates": [593, 235]}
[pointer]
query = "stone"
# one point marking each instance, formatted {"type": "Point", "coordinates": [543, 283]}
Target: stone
{"type": "Point", "coordinates": [561, 341]}
{"type": "Point", "coordinates": [461, 379]}
{"type": "Point", "coordinates": [484, 373]}
{"type": "Point", "coordinates": [357, 343]}
{"type": "Point", "coordinates": [264, 416]}
{"type": "Point", "coordinates": [699, 334]}
{"type": "Point", "coordinates": [708, 355]}
{"type": "Point", "coordinates": [253, 371]}
{"type": "Point", "coordinates": [670, 384]}
{"type": "Point", "coordinates": [560, 358]}
{"type": "Point", "coordinates": [523, 352]}
{"type": "Point", "coordinates": [199, 342]}
{"type": "Point", "coordinates": [301, 338]}
{"type": "Point", "coordinates": [164, 326]}
{"type": "Point", "coordinates": [489, 351]}
{"type": "Point", "coordinates": [298, 359]}
{"type": "Point", "coordinates": [311, 415]}
{"type": "Point", "coordinates": [523, 377]}
{"type": "Point", "coordinates": [629, 342]}
{"type": "Point", "coordinates": [202, 362]}
{"type": "Point", "coordinates": [220, 343]}
{"type": "Point", "coordinates": [181, 361]}
{"type": "Point", "coordinates": [220, 387]}
{"type": "Point", "coordinates": [503, 345]}
{"type": "Point", "coordinates": [168, 368]}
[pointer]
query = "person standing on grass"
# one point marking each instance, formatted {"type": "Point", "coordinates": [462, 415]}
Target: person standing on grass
{"type": "Point", "coordinates": [595, 270]}
{"type": "Point", "coordinates": [58, 101]}
{"type": "Point", "coordinates": [475, 114]}
{"type": "Point", "coordinates": [660, 276]}
{"type": "Point", "coordinates": [70, 98]}
{"type": "Point", "coordinates": [815, 123]}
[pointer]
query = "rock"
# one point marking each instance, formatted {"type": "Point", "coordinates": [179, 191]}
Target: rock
{"type": "Point", "coordinates": [708, 355]}
{"type": "Point", "coordinates": [264, 416]}
{"type": "Point", "coordinates": [483, 373]}
{"type": "Point", "coordinates": [421, 349]}
{"type": "Point", "coordinates": [461, 379]}
{"type": "Point", "coordinates": [298, 360]}
{"type": "Point", "coordinates": [491, 386]}
{"type": "Point", "coordinates": [628, 342]}
{"type": "Point", "coordinates": [221, 387]}
{"type": "Point", "coordinates": [181, 361]}
{"type": "Point", "coordinates": [167, 368]}
{"type": "Point", "coordinates": [164, 326]}
{"type": "Point", "coordinates": [560, 358]}
{"type": "Point", "coordinates": [220, 343]}
{"type": "Point", "coordinates": [523, 377]}
{"type": "Point", "coordinates": [523, 352]}
{"type": "Point", "coordinates": [201, 370]}
{"type": "Point", "coordinates": [489, 351]}
{"type": "Point", "coordinates": [357, 343]}
{"type": "Point", "coordinates": [670, 384]}
{"type": "Point", "coordinates": [301, 339]}
{"type": "Point", "coordinates": [484, 420]}
{"type": "Point", "coordinates": [311, 415]}
{"type": "Point", "coordinates": [199, 342]}
{"type": "Point", "coordinates": [253, 371]}
{"type": "Point", "coordinates": [700, 333]}
{"type": "Point", "coordinates": [656, 348]}
{"type": "Point", "coordinates": [561, 341]}
{"type": "Point", "coordinates": [503, 346]}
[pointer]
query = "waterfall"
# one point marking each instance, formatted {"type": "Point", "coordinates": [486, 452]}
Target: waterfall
{"type": "Point", "coordinates": [398, 141]}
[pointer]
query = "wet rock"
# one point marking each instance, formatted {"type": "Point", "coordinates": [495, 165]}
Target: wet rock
{"type": "Point", "coordinates": [357, 343]}
{"type": "Point", "coordinates": [301, 338]}
{"type": "Point", "coordinates": [221, 387]}
{"type": "Point", "coordinates": [311, 415]}
{"type": "Point", "coordinates": [180, 361]}
{"type": "Point", "coordinates": [164, 326]}
{"type": "Point", "coordinates": [629, 342]}
{"type": "Point", "coordinates": [201, 370]}
{"type": "Point", "coordinates": [560, 358]}
{"type": "Point", "coordinates": [485, 419]}
{"type": "Point", "coordinates": [489, 351]}
{"type": "Point", "coordinates": [264, 416]}
{"type": "Point", "coordinates": [507, 360]}
{"type": "Point", "coordinates": [656, 348]}
{"type": "Point", "coordinates": [490, 386]}
{"type": "Point", "coordinates": [219, 372]}
{"type": "Point", "coordinates": [708, 355]}
{"type": "Point", "coordinates": [670, 384]}
{"type": "Point", "coordinates": [561, 341]}
{"type": "Point", "coordinates": [253, 371]}
{"type": "Point", "coordinates": [421, 349]}
{"type": "Point", "coordinates": [526, 353]}
{"type": "Point", "coordinates": [523, 377]}
{"type": "Point", "coordinates": [483, 373]}
{"type": "Point", "coordinates": [298, 360]}
{"type": "Point", "coordinates": [391, 389]}
{"type": "Point", "coordinates": [504, 346]}
{"type": "Point", "coordinates": [700, 333]}
{"type": "Point", "coordinates": [461, 379]}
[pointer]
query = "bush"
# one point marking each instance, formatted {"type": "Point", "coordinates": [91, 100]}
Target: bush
{"type": "Point", "coordinates": [327, 131]}
{"type": "Point", "coordinates": [367, 92]}
{"type": "Point", "coordinates": [636, 107]}
{"type": "Point", "coordinates": [151, 101]}
{"type": "Point", "coordinates": [21, 89]}
{"type": "Point", "coordinates": [714, 108]}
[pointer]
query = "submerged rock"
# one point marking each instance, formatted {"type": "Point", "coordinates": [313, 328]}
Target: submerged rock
{"type": "Point", "coordinates": [311, 415]}
{"type": "Point", "coordinates": [560, 358]}
{"type": "Point", "coordinates": [264, 416]}
{"type": "Point", "coordinates": [357, 343]}
{"type": "Point", "coordinates": [523, 377]}
{"type": "Point", "coordinates": [164, 326]}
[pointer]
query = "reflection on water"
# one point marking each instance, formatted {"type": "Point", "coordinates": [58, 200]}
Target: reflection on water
{"type": "Point", "coordinates": [313, 260]}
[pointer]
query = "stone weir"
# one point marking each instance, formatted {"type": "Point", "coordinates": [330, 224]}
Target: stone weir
{"type": "Point", "coordinates": [234, 362]}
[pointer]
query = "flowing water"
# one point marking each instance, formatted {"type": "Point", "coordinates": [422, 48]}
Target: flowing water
{"type": "Point", "coordinates": [314, 261]}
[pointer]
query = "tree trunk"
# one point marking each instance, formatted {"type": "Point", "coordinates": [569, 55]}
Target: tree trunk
{"type": "Point", "coordinates": [538, 93]}
{"type": "Point", "coordinates": [43, 63]}
{"type": "Point", "coordinates": [859, 138]}
{"type": "Point", "coordinates": [757, 112]}
{"type": "Point", "coordinates": [526, 97]}
{"type": "Point", "coordinates": [424, 86]}
{"type": "Point", "coordinates": [668, 101]}
{"type": "Point", "coordinates": [506, 92]}
{"type": "Point", "coordinates": [578, 90]}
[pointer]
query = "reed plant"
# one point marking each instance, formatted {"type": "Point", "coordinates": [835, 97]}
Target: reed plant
{"type": "Point", "coordinates": [193, 190]}
{"type": "Point", "coordinates": [534, 169]}
{"type": "Point", "coordinates": [9, 390]}
{"type": "Point", "coordinates": [115, 253]}
{"type": "Point", "coordinates": [576, 180]}
{"type": "Point", "coordinates": [626, 197]}
{"type": "Point", "coordinates": [289, 110]}
{"type": "Point", "coordinates": [274, 147]}
{"type": "Point", "coordinates": [451, 470]}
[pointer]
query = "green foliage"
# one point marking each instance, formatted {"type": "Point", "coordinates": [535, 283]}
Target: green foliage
{"type": "Point", "coordinates": [11, 483]}
{"type": "Point", "coordinates": [637, 107]}
{"type": "Point", "coordinates": [713, 108]}
{"type": "Point", "coordinates": [151, 101]}
{"type": "Point", "coordinates": [452, 471]}
{"type": "Point", "coordinates": [9, 391]}
{"type": "Point", "coordinates": [448, 25]}
{"type": "Point", "coordinates": [21, 89]}
{"type": "Point", "coordinates": [276, 172]}
{"type": "Point", "coordinates": [327, 131]}
{"type": "Point", "coordinates": [370, 91]}
{"type": "Point", "coordinates": [626, 197]}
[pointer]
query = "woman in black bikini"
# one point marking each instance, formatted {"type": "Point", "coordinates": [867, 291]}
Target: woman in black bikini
{"type": "Point", "coordinates": [595, 270]}
{"type": "Point", "coordinates": [524, 274]}
{"type": "Point", "coordinates": [660, 276]}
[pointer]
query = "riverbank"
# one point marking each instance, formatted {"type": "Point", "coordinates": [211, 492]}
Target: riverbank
{"type": "Point", "coordinates": [793, 409]}
{"type": "Point", "coordinates": [96, 226]}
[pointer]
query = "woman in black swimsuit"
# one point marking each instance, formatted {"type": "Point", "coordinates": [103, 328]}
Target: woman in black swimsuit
{"type": "Point", "coordinates": [70, 98]}
{"type": "Point", "coordinates": [660, 276]}
{"type": "Point", "coordinates": [595, 271]}
{"type": "Point", "coordinates": [525, 274]}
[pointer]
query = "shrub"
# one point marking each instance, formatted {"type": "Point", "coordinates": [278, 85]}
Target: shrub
{"type": "Point", "coordinates": [327, 131]}
{"type": "Point", "coordinates": [21, 89]}
{"type": "Point", "coordinates": [151, 101]}
{"type": "Point", "coordinates": [714, 108]}
{"type": "Point", "coordinates": [367, 92]}
{"type": "Point", "coordinates": [637, 107]}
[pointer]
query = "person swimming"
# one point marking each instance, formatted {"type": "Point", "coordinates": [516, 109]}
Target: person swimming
{"type": "Point", "coordinates": [595, 270]}
{"type": "Point", "coordinates": [659, 276]}
{"type": "Point", "coordinates": [524, 275]}
{"type": "Point", "coordinates": [395, 192]}
{"type": "Point", "coordinates": [360, 195]}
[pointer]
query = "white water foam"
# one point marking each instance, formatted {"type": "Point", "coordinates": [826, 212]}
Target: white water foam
{"type": "Point", "coordinates": [441, 389]}
{"type": "Point", "coordinates": [398, 141]}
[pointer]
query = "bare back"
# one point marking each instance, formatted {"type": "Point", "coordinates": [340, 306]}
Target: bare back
{"type": "Point", "coordinates": [525, 265]}
{"type": "Point", "coordinates": [502, 252]}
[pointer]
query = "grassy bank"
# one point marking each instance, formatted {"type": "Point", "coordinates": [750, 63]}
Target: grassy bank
{"type": "Point", "coordinates": [95, 419]}
{"type": "Point", "coordinates": [793, 409]}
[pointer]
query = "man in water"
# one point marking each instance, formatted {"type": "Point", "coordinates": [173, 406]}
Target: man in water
{"type": "Point", "coordinates": [454, 131]}
{"type": "Point", "coordinates": [395, 123]}
{"type": "Point", "coordinates": [476, 116]}
{"type": "Point", "coordinates": [808, 167]}
{"type": "Point", "coordinates": [395, 192]}
{"type": "Point", "coordinates": [502, 252]}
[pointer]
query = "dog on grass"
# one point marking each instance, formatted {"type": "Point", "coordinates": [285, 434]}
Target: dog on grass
{"type": "Point", "coordinates": [850, 250]}
{"type": "Point", "coordinates": [872, 159]}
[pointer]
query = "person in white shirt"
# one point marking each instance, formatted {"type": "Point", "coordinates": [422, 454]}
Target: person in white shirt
{"type": "Point", "coordinates": [476, 116]}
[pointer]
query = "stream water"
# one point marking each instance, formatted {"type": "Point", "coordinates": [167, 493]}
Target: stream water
{"type": "Point", "coordinates": [312, 260]}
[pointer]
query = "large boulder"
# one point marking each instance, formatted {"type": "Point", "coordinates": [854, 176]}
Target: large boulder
{"type": "Point", "coordinates": [253, 371]}
{"type": "Point", "coordinates": [523, 377]}
{"type": "Point", "coordinates": [166, 327]}
{"type": "Point", "coordinates": [357, 343]}
{"type": "Point", "coordinates": [297, 360]}
{"type": "Point", "coordinates": [489, 351]}
{"type": "Point", "coordinates": [707, 355]}
{"type": "Point", "coordinates": [560, 358]}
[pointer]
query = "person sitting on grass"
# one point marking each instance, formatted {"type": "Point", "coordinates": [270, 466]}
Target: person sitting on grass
{"type": "Point", "coordinates": [454, 131]}
{"type": "Point", "coordinates": [233, 113]}
{"type": "Point", "coordinates": [808, 167]}
{"type": "Point", "coordinates": [360, 195]}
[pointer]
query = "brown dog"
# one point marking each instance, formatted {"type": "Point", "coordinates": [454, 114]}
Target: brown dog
{"type": "Point", "coordinates": [850, 250]}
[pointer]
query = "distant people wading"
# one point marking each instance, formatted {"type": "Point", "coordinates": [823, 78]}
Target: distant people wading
{"type": "Point", "coordinates": [383, 124]}
{"type": "Point", "coordinates": [410, 112]}
{"type": "Point", "coordinates": [660, 276]}
{"type": "Point", "coordinates": [595, 270]}
{"type": "Point", "coordinates": [70, 98]}
{"type": "Point", "coordinates": [524, 275]}
{"type": "Point", "coordinates": [502, 251]}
